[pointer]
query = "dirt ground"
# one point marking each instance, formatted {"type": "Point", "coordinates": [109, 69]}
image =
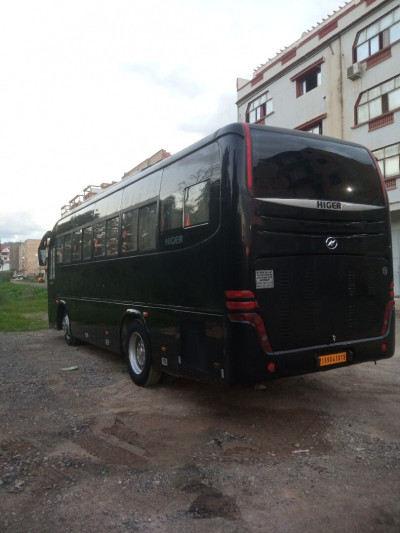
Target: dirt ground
{"type": "Point", "coordinates": [83, 449]}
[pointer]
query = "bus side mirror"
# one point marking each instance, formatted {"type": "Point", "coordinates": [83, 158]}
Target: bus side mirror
{"type": "Point", "coordinates": [42, 258]}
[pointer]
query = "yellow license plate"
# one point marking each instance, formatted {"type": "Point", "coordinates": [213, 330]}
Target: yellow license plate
{"type": "Point", "coordinates": [332, 359]}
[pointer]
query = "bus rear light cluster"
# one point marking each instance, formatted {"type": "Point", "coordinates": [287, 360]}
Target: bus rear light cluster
{"type": "Point", "coordinates": [391, 290]}
{"type": "Point", "coordinates": [243, 302]}
{"type": "Point", "coordinates": [388, 309]}
{"type": "Point", "coordinates": [242, 306]}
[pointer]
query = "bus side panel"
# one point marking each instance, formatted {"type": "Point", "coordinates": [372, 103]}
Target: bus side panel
{"type": "Point", "coordinates": [163, 332]}
{"type": "Point", "coordinates": [201, 345]}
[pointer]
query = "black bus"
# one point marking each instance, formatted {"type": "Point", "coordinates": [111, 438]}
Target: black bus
{"type": "Point", "coordinates": [255, 253]}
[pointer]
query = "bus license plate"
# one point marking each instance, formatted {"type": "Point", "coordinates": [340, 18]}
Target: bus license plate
{"type": "Point", "coordinates": [332, 359]}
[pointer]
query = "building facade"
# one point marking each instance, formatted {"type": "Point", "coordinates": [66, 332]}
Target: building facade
{"type": "Point", "coordinates": [342, 79]}
{"type": "Point", "coordinates": [4, 257]}
{"type": "Point", "coordinates": [24, 258]}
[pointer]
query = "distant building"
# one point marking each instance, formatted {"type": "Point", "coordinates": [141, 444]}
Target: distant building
{"type": "Point", "coordinates": [24, 258]}
{"type": "Point", "coordinates": [92, 190]}
{"type": "Point", "coordinates": [341, 78]}
{"type": "Point", "coordinates": [152, 160]}
{"type": "Point", "coordinates": [4, 257]}
{"type": "Point", "coordinates": [88, 192]}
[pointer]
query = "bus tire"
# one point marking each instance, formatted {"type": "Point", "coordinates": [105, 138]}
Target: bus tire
{"type": "Point", "coordinates": [66, 327]}
{"type": "Point", "coordinates": [138, 357]}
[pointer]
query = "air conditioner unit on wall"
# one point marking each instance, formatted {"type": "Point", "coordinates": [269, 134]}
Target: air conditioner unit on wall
{"type": "Point", "coordinates": [354, 71]}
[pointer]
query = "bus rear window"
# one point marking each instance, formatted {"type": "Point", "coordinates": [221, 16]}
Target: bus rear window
{"type": "Point", "coordinates": [293, 166]}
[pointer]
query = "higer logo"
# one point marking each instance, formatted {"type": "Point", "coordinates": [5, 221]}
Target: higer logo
{"type": "Point", "coordinates": [331, 243]}
{"type": "Point", "coordinates": [321, 204]}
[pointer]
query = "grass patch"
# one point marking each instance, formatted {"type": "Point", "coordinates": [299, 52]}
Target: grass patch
{"type": "Point", "coordinates": [22, 307]}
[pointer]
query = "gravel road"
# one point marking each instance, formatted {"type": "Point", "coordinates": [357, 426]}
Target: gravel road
{"type": "Point", "coordinates": [83, 449]}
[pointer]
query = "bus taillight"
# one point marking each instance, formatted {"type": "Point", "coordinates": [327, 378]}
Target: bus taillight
{"type": "Point", "coordinates": [242, 301]}
{"type": "Point", "coordinates": [232, 295]}
{"type": "Point", "coordinates": [391, 292]}
{"type": "Point", "coordinates": [242, 306]}
{"type": "Point", "coordinates": [389, 306]}
{"type": "Point", "coordinates": [256, 320]}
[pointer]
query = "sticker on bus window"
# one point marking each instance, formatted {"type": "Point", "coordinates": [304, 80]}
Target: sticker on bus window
{"type": "Point", "coordinates": [264, 279]}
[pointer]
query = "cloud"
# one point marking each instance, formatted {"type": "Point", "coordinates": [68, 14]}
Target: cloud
{"type": "Point", "coordinates": [224, 113]}
{"type": "Point", "coordinates": [19, 226]}
{"type": "Point", "coordinates": [178, 82]}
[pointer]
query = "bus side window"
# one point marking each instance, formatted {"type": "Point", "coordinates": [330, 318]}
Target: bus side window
{"type": "Point", "coordinates": [52, 263]}
{"type": "Point", "coordinates": [99, 235]}
{"type": "Point", "coordinates": [189, 193]}
{"type": "Point", "coordinates": [59, 250]}
{"type": "Point", "coordinates": [129, 231]}
{"type": "Point", "coordinates": [171, 211]}
{"type": "Point", "coordinates": [197, 204]}
{"type": "Point", "coordinates": [87, 243]}
{"type": "Point", "coordinates": [67, 248]}
{"type": "Point", "coordinates": [76, 245]}
{"type": "Point", "coordinates": [112, 236]}
{"type": "Point", "coordinates": [147, 227]}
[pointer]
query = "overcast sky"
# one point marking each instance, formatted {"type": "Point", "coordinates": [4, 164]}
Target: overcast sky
{"type": "Point", "coordinates": [90, 88]}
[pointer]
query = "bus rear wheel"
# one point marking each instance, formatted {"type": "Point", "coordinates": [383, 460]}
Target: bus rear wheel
{"type": "Point", "coordinates": [66, 327]}
{"type": "Point", "coordinates": [138, 357]}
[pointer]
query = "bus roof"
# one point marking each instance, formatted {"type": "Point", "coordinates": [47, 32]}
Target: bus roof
{"type": "Point", "coordinates": [236, 128]}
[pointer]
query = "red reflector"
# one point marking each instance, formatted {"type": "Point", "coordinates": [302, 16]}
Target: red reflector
{"type": "Point", "coordinates": [271, 367]}
{"type": "Point", "coordinates": [388, 309]}
{"type": "Point", "coordinates": [239, 294]}
{"type": "Point", "coordinates": [384, 347]}
{"type": "Point", "coordinates": [241, 306]}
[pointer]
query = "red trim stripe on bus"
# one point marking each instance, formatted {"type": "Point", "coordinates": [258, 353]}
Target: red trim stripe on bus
{"type": "Point", "coordinates": [249, 168]}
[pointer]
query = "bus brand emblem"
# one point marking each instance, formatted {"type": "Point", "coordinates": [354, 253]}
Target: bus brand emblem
{"type": "Point", "coordinates": [331, 243]}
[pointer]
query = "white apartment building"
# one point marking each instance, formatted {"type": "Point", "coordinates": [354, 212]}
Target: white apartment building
{"type": "Point", "coordinates": [342, 79]}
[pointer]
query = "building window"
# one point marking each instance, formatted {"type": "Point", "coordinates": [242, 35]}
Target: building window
{"type": "Point", "coordinates": [314, 125]}
{"type": "Point", "coordinates": [379, 100]}
{"type": "Point", "coordinates": [310, 81]}
{"type": "Point", "coordinates": [309, 78]}
{"type": "Point", "coordinates": [389, 163]}
{"type": "Point", "coordinates": [316, 129]}
{"type": "Point", "coordinates": [380, 34]}
{"type": "Point", "coordinates": [259, 108]}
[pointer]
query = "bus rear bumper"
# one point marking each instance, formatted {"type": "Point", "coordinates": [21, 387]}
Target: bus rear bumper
{"type": "Point", "coordinates": [252, 364]}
